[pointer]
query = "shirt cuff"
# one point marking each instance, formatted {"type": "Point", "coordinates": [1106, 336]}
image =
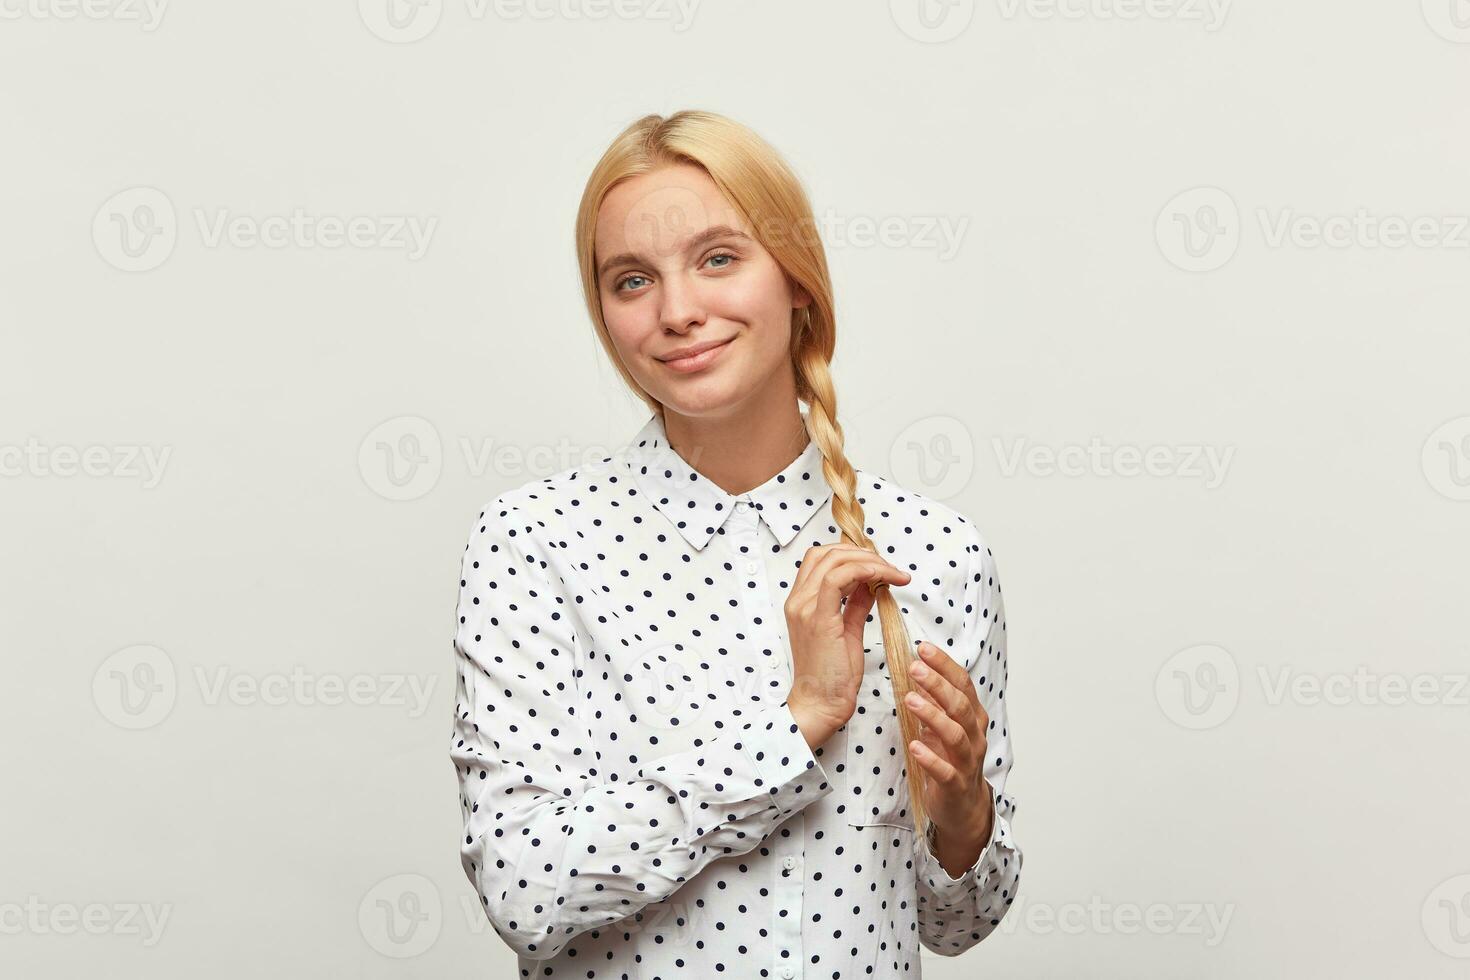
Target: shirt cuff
{"type": "Point", "coordinates": [950, 889]}
{"type": "Point", "coordinates": [785, 765]}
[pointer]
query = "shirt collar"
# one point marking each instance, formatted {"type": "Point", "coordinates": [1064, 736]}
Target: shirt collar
{"type": "Point", "coordinates": [698, 506]}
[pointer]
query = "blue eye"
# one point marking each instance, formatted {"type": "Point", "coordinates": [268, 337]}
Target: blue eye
{"type": "Point", "coordinates": [623, 282]}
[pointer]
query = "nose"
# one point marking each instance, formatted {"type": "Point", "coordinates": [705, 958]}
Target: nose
{"type": "Point", "coordinates": [680, 305]}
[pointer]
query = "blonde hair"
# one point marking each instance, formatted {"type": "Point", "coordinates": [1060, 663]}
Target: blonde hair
{"type": "Point", "coordinates": [759, 184]}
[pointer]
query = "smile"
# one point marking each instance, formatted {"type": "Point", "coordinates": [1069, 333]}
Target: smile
{"type": "Point", "coordinates": [697, 362]}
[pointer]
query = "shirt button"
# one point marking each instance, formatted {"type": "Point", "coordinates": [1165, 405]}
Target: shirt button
{"type": "Point", "coordinates": [790, 863]}
{"type": "Point", "coordinates": [751, 568]}
{"type": "Point", "coordinates": [787, 972]}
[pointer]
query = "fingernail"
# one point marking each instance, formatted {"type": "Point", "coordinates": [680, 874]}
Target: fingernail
{"type": "Point", "coordinates": [918, 669]}
{"type": "Point", "coordinates": [914, 701]}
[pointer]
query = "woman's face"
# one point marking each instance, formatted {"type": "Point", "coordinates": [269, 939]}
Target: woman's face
{"type": "Point", "coordinates": [678, 268]}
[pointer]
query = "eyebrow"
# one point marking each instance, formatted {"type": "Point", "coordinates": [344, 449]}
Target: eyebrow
{"type": "Point", "coordinates": [713, 231]}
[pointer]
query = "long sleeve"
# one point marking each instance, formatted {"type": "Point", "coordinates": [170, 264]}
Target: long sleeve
{"type": "Point", "coordinates": [956, 913]}
{"type": "Point", "coordinates": [553, 846]}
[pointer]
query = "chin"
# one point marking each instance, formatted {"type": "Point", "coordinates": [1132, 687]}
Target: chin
{"type": "Point", "coordinates": [707, 397]}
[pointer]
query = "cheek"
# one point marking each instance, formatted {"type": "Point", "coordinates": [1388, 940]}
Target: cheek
{"type": "Point", "coordinates": [626, 327]}
{"type": "Point", "coordinates": [757, 299]}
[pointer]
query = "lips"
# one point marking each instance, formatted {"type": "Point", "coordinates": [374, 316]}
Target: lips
{"type": "Point", "coordinates": [696, 350]}
{"type": "Point", "coordinates": [698, 361]}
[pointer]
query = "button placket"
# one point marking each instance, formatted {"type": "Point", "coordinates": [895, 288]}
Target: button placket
{"type": "Point", "coordinates": [747, 540]}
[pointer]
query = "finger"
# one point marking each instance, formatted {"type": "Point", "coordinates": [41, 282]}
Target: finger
{"type": "Point", "coordinates": [845, 572]}
{"type": "Point", "coordinates": [949, 668]}
{"type": "Point", "coordinates": [811, 563]}
{"type": "Point", "coordinates": [938, 769]}
{"type": "Point", "coordinates": [953, 701]}
{"type": "Point", "coordinates": [952, 735]}
{"type": "Point", "coordinates": [814, 585]}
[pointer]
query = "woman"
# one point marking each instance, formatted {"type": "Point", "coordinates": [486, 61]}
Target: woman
{"type": "Point", "coordinates": [677, 736]}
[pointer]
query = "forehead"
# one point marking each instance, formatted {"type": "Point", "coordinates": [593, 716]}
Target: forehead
{"type": "Point", "coordinates": [651, 213]}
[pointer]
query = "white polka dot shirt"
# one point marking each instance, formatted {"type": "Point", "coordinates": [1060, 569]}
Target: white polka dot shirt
{"type": "Point", "coordinates": [638, 801]}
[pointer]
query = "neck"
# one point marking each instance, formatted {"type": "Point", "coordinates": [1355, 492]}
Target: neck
{"type": "Point", "coordinates": [742, 450]}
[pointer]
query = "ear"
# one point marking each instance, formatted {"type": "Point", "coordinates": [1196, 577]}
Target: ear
{"type": "Point", "coordinates": [800, 298]}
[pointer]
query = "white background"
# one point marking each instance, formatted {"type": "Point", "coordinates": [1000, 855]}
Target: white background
{"type": "Point", "coordinates": [1132, 191]}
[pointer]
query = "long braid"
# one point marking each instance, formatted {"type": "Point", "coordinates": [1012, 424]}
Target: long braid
{"type": "Point", "coordinates": [822, 425]}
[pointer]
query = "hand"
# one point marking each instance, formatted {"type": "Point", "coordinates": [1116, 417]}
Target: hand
{"type": "Point", "coordinates": [951, 747]}
{"type": "Point", "coordinates": [826, 636]}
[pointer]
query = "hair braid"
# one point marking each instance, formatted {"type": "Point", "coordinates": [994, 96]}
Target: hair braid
{"type": "Point", "coordinates": [822, 425]}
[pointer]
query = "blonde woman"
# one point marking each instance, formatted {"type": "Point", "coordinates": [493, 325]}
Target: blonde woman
{"type": "Point", "coordinates": [726, 704]}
